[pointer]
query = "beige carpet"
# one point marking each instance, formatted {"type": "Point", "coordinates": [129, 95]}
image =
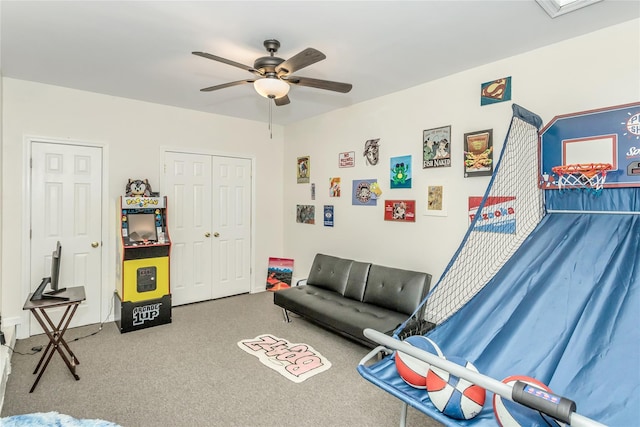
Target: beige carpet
{"type": "Point", "coordinates": [192, 373]}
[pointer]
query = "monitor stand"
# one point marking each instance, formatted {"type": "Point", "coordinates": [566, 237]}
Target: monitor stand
{"type": "Point", "coordinates": [39, 293]}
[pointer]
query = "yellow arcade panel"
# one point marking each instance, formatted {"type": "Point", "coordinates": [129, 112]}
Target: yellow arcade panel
{"type": "Point", "coordinates": [145, 279]}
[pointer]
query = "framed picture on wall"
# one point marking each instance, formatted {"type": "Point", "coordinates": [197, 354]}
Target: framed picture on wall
{"type": "Point", "coordinates": [364, 192]}
{"type": "Point", "coordinates": [306, 214]}
{"type": "Point", "coordinates": [328, 215]}
{"type": "Point", "coordinates": [400, 210]}
{"type": "Point", "coordinates": [401, 172]}
{"type": "Point", "coordinates": [436, 201]}
{"type": "Point", "coordinates": [498, 90]}
{"type": "Point", "coordinates": [436, 147]}
{"type": "Point", "coordinates": [303, 171]}
{"type": "Point", "coordinates": [478, 153]}
{"type": "Point", "coordinates": [334, 186]}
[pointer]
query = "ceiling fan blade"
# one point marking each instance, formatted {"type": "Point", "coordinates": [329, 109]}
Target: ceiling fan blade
{"type": "Point", "coordinates": [227, 61]}
{"type": "Point", "coordinates": [282, 101]}
{"type": "Point", "coordinates": [297, 62]}
{"type": "Point", "coordinates": [319, 84]}
{"type": "Point", "coordinates": [224, 85]}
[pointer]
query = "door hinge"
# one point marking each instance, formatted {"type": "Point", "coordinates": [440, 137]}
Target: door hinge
{"type": "Point", "coordinates": [31, 163]}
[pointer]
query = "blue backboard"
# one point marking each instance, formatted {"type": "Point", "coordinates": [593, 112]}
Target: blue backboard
{"type": "Point", "coordinates": [608, 135]}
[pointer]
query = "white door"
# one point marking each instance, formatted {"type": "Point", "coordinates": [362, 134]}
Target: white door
{"type": "Point", "coordinates": [231, 226]}
{"type": "Point", "coordinates": [209, 221]}
{"type": "Point", "coordinates": [66, 206]}
{"type": "Point", "coordinates": [188, 190]}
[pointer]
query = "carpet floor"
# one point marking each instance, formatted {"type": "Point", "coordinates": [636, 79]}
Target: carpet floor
{"type": "Point", "coordinates": [191, 372]}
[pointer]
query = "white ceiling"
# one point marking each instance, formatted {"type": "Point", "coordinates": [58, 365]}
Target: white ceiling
{"type": "Point", "coordinates": [142, 49]}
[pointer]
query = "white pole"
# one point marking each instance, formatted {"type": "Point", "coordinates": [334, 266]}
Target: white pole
{"type": "Point", "coordinates": [484, 381]}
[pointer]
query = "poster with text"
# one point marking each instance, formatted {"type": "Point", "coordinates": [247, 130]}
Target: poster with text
{"type": "Point", "coordinates": [347, 159]}
{"type": "Point", "coordinates": [478, 153]}
{"type": "Point", "coordinates": [498, 214]}
{"type": "Point", "coordinates": [400, 210]}
{"type": "Point", "coordinates": [436, 147]}
{"type": "Point", "coordinates": [328, 215]}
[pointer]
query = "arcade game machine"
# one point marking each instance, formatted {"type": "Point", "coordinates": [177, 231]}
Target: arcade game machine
{"type": "Point", "coordinates": [143, 297]}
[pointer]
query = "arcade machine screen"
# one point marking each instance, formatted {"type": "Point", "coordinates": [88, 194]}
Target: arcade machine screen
{"type": "Point", "coordinates": [142, 227]}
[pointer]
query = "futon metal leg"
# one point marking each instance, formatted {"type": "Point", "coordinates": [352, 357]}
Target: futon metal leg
{"type": "Point", "coordinates": [403, 415]}
{"type": "Point", "coordinates": [286, 316]}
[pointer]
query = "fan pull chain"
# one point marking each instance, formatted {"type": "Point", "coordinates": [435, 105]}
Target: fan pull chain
{"type": "Point", "coordinates": [270, 119]}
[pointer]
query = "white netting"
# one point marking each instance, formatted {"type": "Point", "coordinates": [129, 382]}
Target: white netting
{"type": "Point", "coordinates": [590, 176]}
{"type": "Point", "coordinates": [511, 208]}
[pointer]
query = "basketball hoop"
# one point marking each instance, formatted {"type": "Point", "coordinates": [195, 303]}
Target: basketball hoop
{"type": "Point", "coordinates": [589, 176]}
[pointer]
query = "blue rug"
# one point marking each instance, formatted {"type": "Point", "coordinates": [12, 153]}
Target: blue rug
{"type": "Point", "coordinates": [51, 419]}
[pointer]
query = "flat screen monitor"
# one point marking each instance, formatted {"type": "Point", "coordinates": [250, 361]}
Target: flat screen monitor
{"type": "Point", "coordinates": [142, 227]}
{"type": "Point", "coordinates": [55, 267]}
{"type": "Point", "coordinates": [53, 280]}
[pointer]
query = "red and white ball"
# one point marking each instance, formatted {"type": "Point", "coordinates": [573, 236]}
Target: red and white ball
{"type": "Point", "coordinates": [455, 397]}
{"type": "Point", "coordinates": [412, 370]}
{"type": "Point", "coordinates": [512, 414]}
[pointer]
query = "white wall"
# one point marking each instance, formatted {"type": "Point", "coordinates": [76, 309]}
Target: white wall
{"type": "Point", "coordinates": [596, 70]}
{"type": "Point", "coordinates": [133, 133]}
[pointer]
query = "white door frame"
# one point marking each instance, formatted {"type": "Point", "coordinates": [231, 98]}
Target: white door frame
{"type": "Point", "coordinates": [107, 275]}
{"type": "Point", "coordinates": [165, 149]}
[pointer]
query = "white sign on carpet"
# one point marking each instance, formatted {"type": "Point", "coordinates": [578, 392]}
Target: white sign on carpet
{"type": "Point", "coordinates": [296, 362]}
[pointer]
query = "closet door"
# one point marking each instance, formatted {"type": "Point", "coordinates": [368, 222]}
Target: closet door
{"type": "Point", "coordinates": [209, 221]}
{"type": "Point", "coordinates": [231, 226]}
{"type": "Point", "coordinates": [188, 190]}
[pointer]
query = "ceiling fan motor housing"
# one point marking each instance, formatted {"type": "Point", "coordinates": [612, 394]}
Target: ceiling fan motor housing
{"type": "Point", "coordinates": [267, 64]}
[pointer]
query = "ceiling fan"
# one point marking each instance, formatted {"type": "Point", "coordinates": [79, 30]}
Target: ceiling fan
{"type": "Point", "coordinates": [274, 75]}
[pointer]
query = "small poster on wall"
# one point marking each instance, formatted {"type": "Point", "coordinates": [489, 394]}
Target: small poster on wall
{"type": "Point", "coordinates": [372, 151]}
{"type": "Point", "coordinates": [400, 210]}
{"type": "Point", "coordinates": [347, 159]}
{"type": "Point", "coordinates": [436, 147]}
{"type": "Point", "coordinates": [498, 214]}
{"type": "Point", "coordinates": [364, 192]}
{"type": "Point", "coordinates": [478, 153]}
{"type": "Point", "coordinates": [334, 186]}
{"type": "Point", "coordinates": [279, 273]}
{"type": "Point", "coordinates": [328, 215]}
{"type": "Point", "coordinates": [303, 169]}
{"type": "Point", "coordinates": [495, 91]}
{"type": "Point", "coordinates": [306, 214]}
{"type": "Point", "coordinates": [435, 201]}
{"type": "Point", "coordinates": [401, 172]}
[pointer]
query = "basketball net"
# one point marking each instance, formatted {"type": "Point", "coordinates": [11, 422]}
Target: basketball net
{"type": "Point", "coordinates": [585, 176]}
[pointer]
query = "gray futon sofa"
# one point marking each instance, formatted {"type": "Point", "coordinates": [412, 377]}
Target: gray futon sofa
{"type": "Point", "coordinates": [348, 296]}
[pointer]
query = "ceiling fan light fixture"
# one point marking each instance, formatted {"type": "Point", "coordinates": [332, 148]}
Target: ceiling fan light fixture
{"type": "Point", "coordinates": [271, 87]}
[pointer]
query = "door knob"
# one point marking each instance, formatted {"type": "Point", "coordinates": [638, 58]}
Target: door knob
{"type": "Point", "coordinates": [216, 234]}
{"type": "Point", "coordinates": [207, 234]}
{"type": "Point", "coordinates": [95, 244]}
